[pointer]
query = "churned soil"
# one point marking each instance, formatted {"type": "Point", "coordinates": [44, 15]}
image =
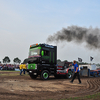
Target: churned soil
{"type": "Point", "coordinates": [16, 87]}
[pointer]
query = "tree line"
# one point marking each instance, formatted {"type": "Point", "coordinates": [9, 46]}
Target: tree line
{"type": "Point", "coordinates": [18, 61]}
{"type": "Point", "coordinates": [15, 60]}
{"type": "Point", "coordinates": [58, 60]}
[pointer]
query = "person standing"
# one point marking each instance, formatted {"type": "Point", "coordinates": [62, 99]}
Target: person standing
{"type": "Point", "coordinates": [24, 68]}
{"type": "Point", "coordinates": [0, 66]}
{"type": "Point", "coordinates": [76, 68]}
{"type": "Point", "coordinates": [21, 68]}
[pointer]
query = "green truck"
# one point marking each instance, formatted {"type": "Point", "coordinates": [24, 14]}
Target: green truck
{"type": "Point", "coordinates": [42, 61]}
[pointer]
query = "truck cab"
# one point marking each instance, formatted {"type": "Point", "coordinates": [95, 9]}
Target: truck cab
{"type": "Point", "coordinates": [42, 60]}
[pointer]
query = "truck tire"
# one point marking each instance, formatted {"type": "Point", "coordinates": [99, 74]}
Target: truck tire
{"type": "Point", "coordinates": [98, 74]}
{"type": "Point", "coordinates": [94, 74]}
{"type": "Point", "coordinates": [69, 74]}
{"type": "Point", "coordinates": [33, 76]}
{"type": "Point", "coordinates": [45, 75]}
{"type": "Point", "coordinates": [56, 76]}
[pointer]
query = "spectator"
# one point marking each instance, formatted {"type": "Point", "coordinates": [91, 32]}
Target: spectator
{"type": "Point", "coordinates": [24, 68]}
{"type": "Point", "coordinates": [0, 66]}
{"type": "Point", "coordinates": [21, 68]}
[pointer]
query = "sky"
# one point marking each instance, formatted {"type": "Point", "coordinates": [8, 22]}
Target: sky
{"type": "Point", "coordinates": [25, 22]}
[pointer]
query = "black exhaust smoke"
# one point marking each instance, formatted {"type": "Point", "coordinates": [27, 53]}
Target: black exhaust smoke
{"type": "Point", "coordinates": [79, 35]}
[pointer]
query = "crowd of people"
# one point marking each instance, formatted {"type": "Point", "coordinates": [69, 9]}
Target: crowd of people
{"type": "Point", "coordinates": [22, 67]}
{"type": "Point", "coordinates": [8, 66]}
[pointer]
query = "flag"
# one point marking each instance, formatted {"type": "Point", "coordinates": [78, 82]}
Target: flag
{"type": "Point", "coordinates": [79, 59]}
{"type": "Point", "coordinates": [91, 58]}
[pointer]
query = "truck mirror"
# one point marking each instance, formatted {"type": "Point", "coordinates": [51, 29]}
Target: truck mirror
{"type": "Point", "coordinates": [42, 53]}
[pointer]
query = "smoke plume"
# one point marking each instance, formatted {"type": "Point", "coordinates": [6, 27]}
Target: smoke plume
{"type": "Point", "coordinates": [91, 36]}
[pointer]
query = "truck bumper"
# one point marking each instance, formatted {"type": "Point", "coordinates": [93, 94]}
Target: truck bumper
{"type": "Point", "coordinates": [31, 70]}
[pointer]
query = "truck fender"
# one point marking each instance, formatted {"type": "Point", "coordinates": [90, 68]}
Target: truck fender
{"type": "Point", "coordinates": [46, 69]}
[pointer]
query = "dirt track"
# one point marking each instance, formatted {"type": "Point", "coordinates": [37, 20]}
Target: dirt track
{"type": "Point", "coordinates": [24, 88]}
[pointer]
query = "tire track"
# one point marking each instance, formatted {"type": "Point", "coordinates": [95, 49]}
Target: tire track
{"type": "Point", "coordinates": [92, 87]}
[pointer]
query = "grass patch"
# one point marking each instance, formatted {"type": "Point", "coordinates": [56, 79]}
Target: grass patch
{"type": "Point", "coordinates": [88, 97]}
{"type": "Point", "coordinates": [12, 74]}
{"type": "Point", "coordinates": [8, 71]}
{"type": "Point", "coordinates": [9, 74]}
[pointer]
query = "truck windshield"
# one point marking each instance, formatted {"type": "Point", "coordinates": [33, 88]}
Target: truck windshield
{"type": "Point", "coordinates": [34, 52]}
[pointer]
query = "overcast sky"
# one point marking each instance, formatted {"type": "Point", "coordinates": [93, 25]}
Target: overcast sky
{"type": "Point", "coordinates": [25, 22]}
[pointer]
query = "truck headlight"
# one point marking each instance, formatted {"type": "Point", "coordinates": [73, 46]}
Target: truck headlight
{"type": "Point", "coordinates": [30, 71]}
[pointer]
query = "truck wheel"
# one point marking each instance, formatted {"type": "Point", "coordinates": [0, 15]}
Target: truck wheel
{"type": "Point", "coordinates": [94, 75]}
{"type": "Point", "coordinates": [45, 75]}
{"type": "Point", "coordinates": [69, 75]}
{"type": "Point", "coordinates": [56, 76]}
{"type": "Point", "coordinates": [33, 76]}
